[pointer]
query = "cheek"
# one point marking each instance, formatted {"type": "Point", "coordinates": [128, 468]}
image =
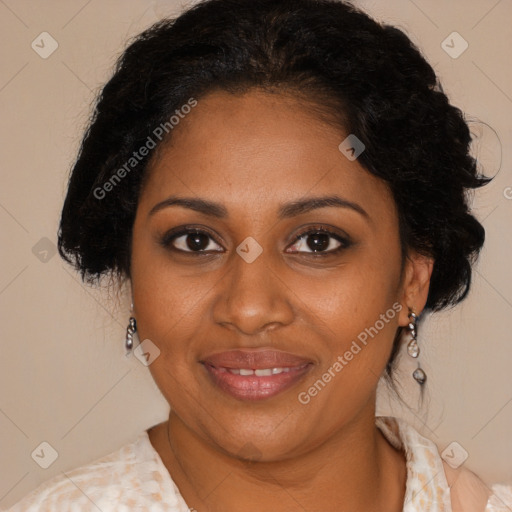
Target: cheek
{"type": "Point", "coordinates": [163, 294]}
{"type": "Point", "coordinates": [355, 313]}
{"type": "Point", "coordinates": [358, 346]}
{"type": "Point", "coordinates": [167, 307]}
{"type": "Point", "coordinates": [351, 297]}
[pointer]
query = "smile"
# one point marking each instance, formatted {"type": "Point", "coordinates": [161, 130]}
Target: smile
{"type": "Point", "coordinates": [263, 372]}
{"type": "Point", "coordinates": [256, 383]}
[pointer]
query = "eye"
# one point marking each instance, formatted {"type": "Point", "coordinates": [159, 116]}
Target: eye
{"type": "Point", "coordinates": [320, 242]}
{"type": "Point", "coordinates": [190, 240]}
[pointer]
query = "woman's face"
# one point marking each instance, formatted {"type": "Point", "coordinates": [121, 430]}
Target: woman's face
{"type": "Point", "coordinates": [247, 170]}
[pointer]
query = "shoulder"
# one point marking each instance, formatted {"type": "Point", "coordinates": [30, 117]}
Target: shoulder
{"type": "Point", "coordinates": [123, 480]}
{"type": "Point", "coordinates": [435, 485]}
{"type": "Point", "coordinates": [470, 493]}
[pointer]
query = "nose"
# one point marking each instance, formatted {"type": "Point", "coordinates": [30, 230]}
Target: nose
{"type": "Point", "coordinates": [252, 297]}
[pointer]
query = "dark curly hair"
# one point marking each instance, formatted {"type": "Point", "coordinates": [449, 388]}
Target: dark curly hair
{"type": "Point", "coordinates": [367, 75]}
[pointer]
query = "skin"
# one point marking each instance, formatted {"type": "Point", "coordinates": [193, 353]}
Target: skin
{"type": "Point", "coordinates": [251, 153]}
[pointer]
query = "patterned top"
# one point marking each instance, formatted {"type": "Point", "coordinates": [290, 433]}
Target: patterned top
{"type": "Point", "coordinates": [135, 478]}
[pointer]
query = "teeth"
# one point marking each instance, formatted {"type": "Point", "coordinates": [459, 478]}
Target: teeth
{"type": "Point", "coordinates": [266, 372]}
{"type": "Point", "coordinates": [260, 372]}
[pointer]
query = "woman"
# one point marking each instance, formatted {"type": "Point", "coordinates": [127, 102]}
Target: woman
{"type": "Point", "coordinates": [283, 184]}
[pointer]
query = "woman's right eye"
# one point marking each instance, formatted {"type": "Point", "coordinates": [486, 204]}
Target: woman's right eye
{"type": "Point", "coordinates": [191, 241]}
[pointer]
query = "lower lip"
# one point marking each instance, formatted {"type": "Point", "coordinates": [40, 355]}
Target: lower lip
{"type": "Point", "coordinates": [251, 387]}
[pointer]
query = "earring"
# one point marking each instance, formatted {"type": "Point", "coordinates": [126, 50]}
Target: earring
{"type": "Point", "coordinates": [413, 348]}
{"type": "Point", "coordinates": [130, 331]}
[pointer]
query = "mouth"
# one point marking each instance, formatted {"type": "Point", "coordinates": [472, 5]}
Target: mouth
{"type": "Point", "coordinates": [255, 375]}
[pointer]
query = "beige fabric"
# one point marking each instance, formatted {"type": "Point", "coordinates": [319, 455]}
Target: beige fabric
{"type": "Point", "coordinates": [135, 478]}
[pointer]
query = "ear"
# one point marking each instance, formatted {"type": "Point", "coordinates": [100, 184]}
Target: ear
{"type": "Point", "coordinates": [415, 284]}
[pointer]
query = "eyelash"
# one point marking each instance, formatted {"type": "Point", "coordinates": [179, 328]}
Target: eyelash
{"type": "Point", "coordinates": [345, 242]}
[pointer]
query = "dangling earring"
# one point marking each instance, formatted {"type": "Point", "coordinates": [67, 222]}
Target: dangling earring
{"type": "Point", "coordinates": [130, 331]}
{"type": "Point", "coordinates": [413, 348]}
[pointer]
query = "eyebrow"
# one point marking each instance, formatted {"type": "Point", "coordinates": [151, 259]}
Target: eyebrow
{"type": "Point", "coordinates": [285, 211]}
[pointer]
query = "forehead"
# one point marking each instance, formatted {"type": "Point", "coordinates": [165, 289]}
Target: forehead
{"type": "Point", "coordinates": [258, 148]}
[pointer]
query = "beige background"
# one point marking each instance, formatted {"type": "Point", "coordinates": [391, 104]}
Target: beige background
{"type": "Point", "coordinates": [64, 378]}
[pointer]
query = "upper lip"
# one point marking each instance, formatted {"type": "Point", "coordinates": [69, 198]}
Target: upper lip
{"type": "Point", "coordinates": [255, 359]}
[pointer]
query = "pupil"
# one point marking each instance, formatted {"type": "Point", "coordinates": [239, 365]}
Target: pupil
{"type": "Point", "coordinates": [195, 241]}
{"type": "Point", "coordinates": [320, 242]}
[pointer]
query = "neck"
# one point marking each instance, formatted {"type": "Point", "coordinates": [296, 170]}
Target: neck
{"type": "Point", "coordinates": [355, 469]}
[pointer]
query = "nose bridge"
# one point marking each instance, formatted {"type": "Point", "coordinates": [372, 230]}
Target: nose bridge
{"type": "Point", "coordinates": [252, 297]}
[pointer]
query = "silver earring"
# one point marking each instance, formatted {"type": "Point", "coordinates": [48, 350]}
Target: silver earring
{"type": "Point", "coordinates": [130, 331]}
{"type": "Point", "coordinates": [413, 348]}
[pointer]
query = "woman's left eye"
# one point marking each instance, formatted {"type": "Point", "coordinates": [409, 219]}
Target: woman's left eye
{"type": "Point", "coordinates": [320, 242]}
